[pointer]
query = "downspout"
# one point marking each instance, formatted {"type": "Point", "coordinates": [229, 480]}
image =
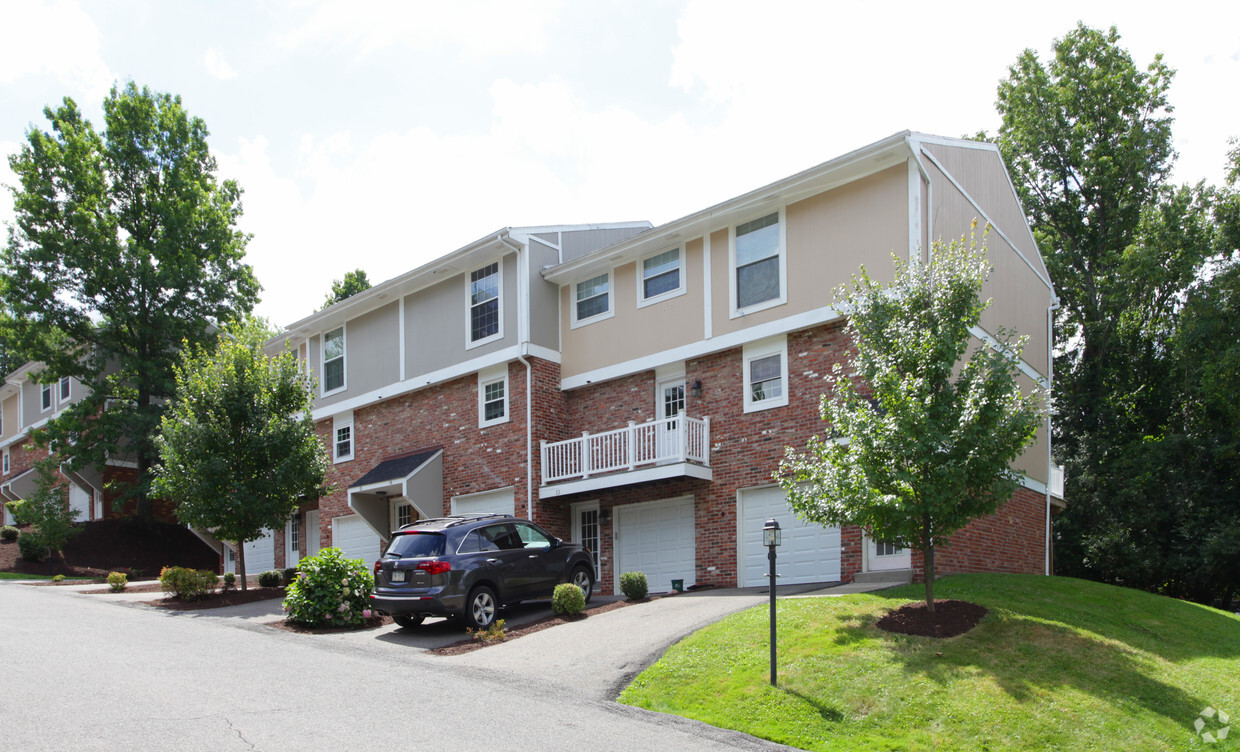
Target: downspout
{"type": "Point", "coordinates": [523, 342]}
{"type": "Point", "coordinates": [1050, 463]}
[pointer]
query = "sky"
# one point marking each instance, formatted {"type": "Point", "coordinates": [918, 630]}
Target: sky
{"type": "Point", "coordinates": [381, 135]}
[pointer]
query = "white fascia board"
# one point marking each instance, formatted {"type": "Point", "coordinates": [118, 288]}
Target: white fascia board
{"type": "Point", "coordinates": [1036, 486]}
{"type": "Point", "coordinates": [615, 480]}
{"type": "Point", "coordinates": [1021, 364]}
{"type": "Point", "coordinates": [865, 161]}
{"type": "Point", "coordinates": [419, 381]}
{"type": "Point", "coordinates": [697, 349]}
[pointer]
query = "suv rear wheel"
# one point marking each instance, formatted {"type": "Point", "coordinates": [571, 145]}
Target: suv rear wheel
{"type": "Point", "coordinates": [480, 607]}
{"type": "Point", "coordinates": [581, 578]}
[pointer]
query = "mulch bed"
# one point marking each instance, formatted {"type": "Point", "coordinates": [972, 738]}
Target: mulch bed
{"type": "Point", "coordinates": [219, 600]}
{"type": "Point", "coordinates": [950, 618]}
{"type": "Point", "coordinates": [372, 623]}
{"type": "Point", "coordinates": [470, 645]}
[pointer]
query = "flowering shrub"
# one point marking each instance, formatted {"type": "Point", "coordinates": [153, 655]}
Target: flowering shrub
{"type": "Point", "coordinates": [568, 599]}
{"type": "Point", "coordinates": [117, 581]}
{"type": "Point", "coordinates": [330, 591]}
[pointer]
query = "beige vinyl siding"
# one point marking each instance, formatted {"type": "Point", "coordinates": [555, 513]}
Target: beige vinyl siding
{"type": "Point", "coordinates": [1033, 461]}
{"type": "Point", "coordinates": [12, 416]}
{"type": "Point", "coordinates": [371, 358]}
{"type": "Point", "coordinates": [544, 298]}
{"type": "Point", "coordinates": [828, 237]}
{"type": "Point", "coordinates": [635, 332]}
{"type": "Point", "coordinates": [32, 404]}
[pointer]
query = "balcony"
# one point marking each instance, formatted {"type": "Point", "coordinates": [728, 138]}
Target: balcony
{"type": "Point", "coordinates": [655, 450]}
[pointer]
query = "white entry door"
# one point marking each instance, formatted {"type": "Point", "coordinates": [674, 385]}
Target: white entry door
{"type": "Point", "coordinates": [671, 405]}
{"type": "Point", "coordinates": [808, 553]}
{"type": "Point", "coordinates": [292, 541]}
{"type": "Point", "coordinates": [586, 529]}
{"type": "Point", "coordinates": [884, 557]}
{"type": "Point", "coordinates": [657, 539]}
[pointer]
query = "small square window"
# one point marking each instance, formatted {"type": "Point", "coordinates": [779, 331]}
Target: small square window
{"type": "Point", "coordinates": [766, 374]}
{"type": "Point", "coordinates": [492, 398]}
{"type": "Point", "coordinates": [484, 304]}
{"type": "Point", "coordinates": [65, 389]}
{"type": "Point", "coordinates": [333, 361]}
{"type": "Point", "coordinates": [342, 438]}
{"type": "Point", "coordinates": [593, 299]}
{"type": "Point", "coordinates": [662, 277]}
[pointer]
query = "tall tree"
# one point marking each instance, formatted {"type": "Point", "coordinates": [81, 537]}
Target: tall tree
{"type": "Point", "coordinates": [124, 249]}
{"type": "Point", "coordinates": [238, 450]}
{"type": "Point", "coordinates": [342, 289]}
{"type": "Point", "coordinates": [922, 437]}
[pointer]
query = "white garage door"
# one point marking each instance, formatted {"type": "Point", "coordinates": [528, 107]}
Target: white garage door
{"type": "Point", "coordinates": [260, 555]}
{"type": "Point", "coordinates": [808, 553]}
{"type": "Point", "coordinates": [79, 501]}
{"type": "Point", "coordinates": [495, 502]}
{"type": "Point", "coordinates": [656, 538]}
{"type": "Point", "coordinates": [355, 539]}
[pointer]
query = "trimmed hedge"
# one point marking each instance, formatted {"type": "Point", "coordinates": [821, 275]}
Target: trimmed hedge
{"type": "Point", "coordinates": [188, 584]}
{"type": "Point", "coordinates": [633, 585]}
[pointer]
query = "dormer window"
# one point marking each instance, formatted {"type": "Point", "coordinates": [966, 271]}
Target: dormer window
{"type": "Point", "coordinates": [484, 304]}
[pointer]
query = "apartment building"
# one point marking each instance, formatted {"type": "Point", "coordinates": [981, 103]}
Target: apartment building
{"type": "Point", "coordinates": [633, 387]}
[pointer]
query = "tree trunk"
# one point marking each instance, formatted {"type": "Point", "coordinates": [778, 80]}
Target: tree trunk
{"type": "Point", "coordinates": [241, 563]}
{"type": "Point", "coordinates": [927, 551]}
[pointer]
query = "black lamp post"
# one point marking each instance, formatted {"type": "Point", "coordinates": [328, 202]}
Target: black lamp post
{"type": "Point", "coordinates": [771, 538]}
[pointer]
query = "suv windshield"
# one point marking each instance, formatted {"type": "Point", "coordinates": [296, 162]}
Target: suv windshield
{"type": "Point", "coordinates": [417, 545]}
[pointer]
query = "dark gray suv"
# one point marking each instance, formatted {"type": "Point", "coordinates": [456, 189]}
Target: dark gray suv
{"type": "Point", "coordinates": [469, 565]}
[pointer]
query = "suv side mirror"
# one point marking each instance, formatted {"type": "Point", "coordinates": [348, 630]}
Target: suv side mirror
{"type": "Point", "coordinates": [556, 542]}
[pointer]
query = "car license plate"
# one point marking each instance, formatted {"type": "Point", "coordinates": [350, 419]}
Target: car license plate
{"type": "Point", "coordinates": [398, 576]}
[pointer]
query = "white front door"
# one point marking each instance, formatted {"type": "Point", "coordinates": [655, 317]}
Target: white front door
{"type": "Point", "coordinates": [312, 532]}
{"type": "Point", "coordinates": [671, 403]}
{"type": "Point", "coordinates": [807, 552]}
{"type": "Point", "coordinates": [657, 539]}
{"type": "Point", "coordinates": [884, 557]}
{"type": "Point", "coordinates": [403, 513]}
{"type": "Point", "coordinates": [292, 541]}
{"type": "Point", "coordinates": [586, 529]}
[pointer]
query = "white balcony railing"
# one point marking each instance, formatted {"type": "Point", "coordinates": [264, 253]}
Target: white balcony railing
{"type": "Point", "coordinates": [1057, 476]}
{"type": "Point", "coordinates": [679, 439]}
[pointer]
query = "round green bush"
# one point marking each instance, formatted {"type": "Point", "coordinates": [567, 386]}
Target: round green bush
{"type": "Point", "coordinates": [188, 584]}
{"type": "Point", "coordinates": [289, 574]}
{"type": "Point", "coordinates": [330, 591]}
{"type": "Point", "coordinates": [568, 599]}
{"type": "Point", "coordinates": [58, 578]}
{"type": "Point", "coordinates": [30, 546]}
{"type": "Point", "coordinates": [117, 581]}
{"type": "Point", "coordinates": [230, 580]}
{"type": "Point", "coordinates": [633, 585]}
{"type": "Point", "coordinates": [8, 533]}
{"type": "Point", "coordinates": [270, 578]}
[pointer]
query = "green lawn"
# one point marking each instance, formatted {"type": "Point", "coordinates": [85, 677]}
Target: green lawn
{"type": "Point", "coordinates": [1057, 664]}
{"type": "Point", "coordinates": [16, 576]}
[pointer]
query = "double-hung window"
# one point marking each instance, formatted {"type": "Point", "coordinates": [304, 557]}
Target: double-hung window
{"type": "Point", "coordinates": [766, 374]}
{"type": "Point", "coordinates": [6, 466]}
{"type": "Point", "coordinates": [493, 397]}
{"type": "Point", "coordinates": [333, 361]}
{"type": "Point", "coordinates": [342, 437]}
{"type": "Point", "coordinates": [484, 305]}
{"type": "Point", "coordinates": [65, 389]}
{"type": "Point", "coordinates": [45, 398]}
{"type": "Point", "coordinates": [592, 299]}
{"type": "Point", "coordinates": [662, 277]}
{"type": "Point", "coordinates": [758, 261]}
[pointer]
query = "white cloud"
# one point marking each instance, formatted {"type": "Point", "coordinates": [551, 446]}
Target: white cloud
{"type": "Point", "coordinates": [53, 38]}
{"type": "Point", "coordinates": [480, 29]}
{"type": "Point", "coordinates": [217, 66]}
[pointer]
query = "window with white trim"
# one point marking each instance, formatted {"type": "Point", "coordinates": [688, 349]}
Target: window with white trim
{"type": "Point", "coordinates": [45, 398]}
{"type": "Point", "coordinates": [65, 389]}
{"type": "Point", "coordinates": [342, 438]}
{"type": "Point", "coordinates": [661, 277]}
{"type": "Point", "coordinates": [493, 397]}
{"type": "Point", "coordinates": [6, 462]}
{"type": "Point", "coordinates": [758, 264]}
{"type": "Point", "coordinates": [592, 299]}
{"type": "Point", "coordinates": [766, 374]}
{"type": "Point", "coordinates": [402, 514]}
{"type": "Point", "coordinates": [333, 361]}
{"type": "Point", "coordinates": [484, 304]}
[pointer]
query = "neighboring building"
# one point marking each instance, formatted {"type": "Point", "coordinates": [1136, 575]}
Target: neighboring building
{"type": "Point", "coordinates": [634, 387]}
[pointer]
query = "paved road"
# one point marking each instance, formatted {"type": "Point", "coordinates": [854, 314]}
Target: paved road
{"type": "Point", "coordinates": [86, 674]}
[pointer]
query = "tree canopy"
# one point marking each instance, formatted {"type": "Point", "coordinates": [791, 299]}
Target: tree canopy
{"type": "Point", "coordinates": [124, 247]}
{"type": "Point", "coordinates": [342, 289]}
{"type": "Point", "coordinates": [916, 449]}
{"type": "Point", "coordinates": [237, 446]}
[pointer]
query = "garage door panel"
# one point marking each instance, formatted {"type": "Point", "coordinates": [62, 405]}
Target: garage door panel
{"type": "Point", "coordinates": [809, 552]}
{"type": "Point", "coordinates": [496, 502]}
{"type": "Point", "coordinates": [657, 539]}
{"type": "Point", "coordinates": [355, 539]}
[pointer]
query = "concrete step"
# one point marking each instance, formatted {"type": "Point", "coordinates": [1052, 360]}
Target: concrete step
{"type": "Point", "coordinates": [894, 577]}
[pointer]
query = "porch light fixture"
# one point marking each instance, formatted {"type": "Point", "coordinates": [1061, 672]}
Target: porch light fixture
{"type": "Point", "coordinates": [771, 537]}
{"type": "Point", "coordinates": [696, 389]}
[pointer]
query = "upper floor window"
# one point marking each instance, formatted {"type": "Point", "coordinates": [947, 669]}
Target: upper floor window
{"type": "Point", "coordinates": [662, 277]}
{"type": "Point", "coordinates": [65, 387]}
{"type": "Point", "coordinates": [484, 314]}
{"type": "Point", "coordinates": [592, 299]}
{"type": "Point", "coordinates": [766, 374]}
{"type": "Point", "coordinates": [45, 398]}
{"type": "Point", "coordinates": [758, 263]}
{"type": "Point", "coordinates": [333, 361]}
{"type": "Point", "coordinates": [6, 466]}
{"type": "Point", "coordinates": [342, 438]}
{"type": "Point", "coordinates": [493, 397]}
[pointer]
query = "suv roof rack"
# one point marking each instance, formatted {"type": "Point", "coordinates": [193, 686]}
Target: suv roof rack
{"type": "Point", "coordinates": [453, 520]}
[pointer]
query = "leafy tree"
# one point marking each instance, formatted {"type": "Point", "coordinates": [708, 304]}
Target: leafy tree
{"type": "Point", "coordinates": [124, 246]}
{"type": "Point", "coordinates": [917, 449]}
{"type": "Point", "coordinates": [342, 289]}
{"type": "Point", "coordinates": [237, 446]}
{"type": "Point", "coordinates": [47, 509]}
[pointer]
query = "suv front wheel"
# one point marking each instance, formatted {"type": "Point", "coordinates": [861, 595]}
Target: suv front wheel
{"type": "Point", "coordinates": [581, 578]}
{"type": "Point", "coordinates": [480, 607]}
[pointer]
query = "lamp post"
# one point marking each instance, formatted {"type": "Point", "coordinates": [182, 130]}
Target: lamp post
{"type": "Point", "coordinates": [771, 538]}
